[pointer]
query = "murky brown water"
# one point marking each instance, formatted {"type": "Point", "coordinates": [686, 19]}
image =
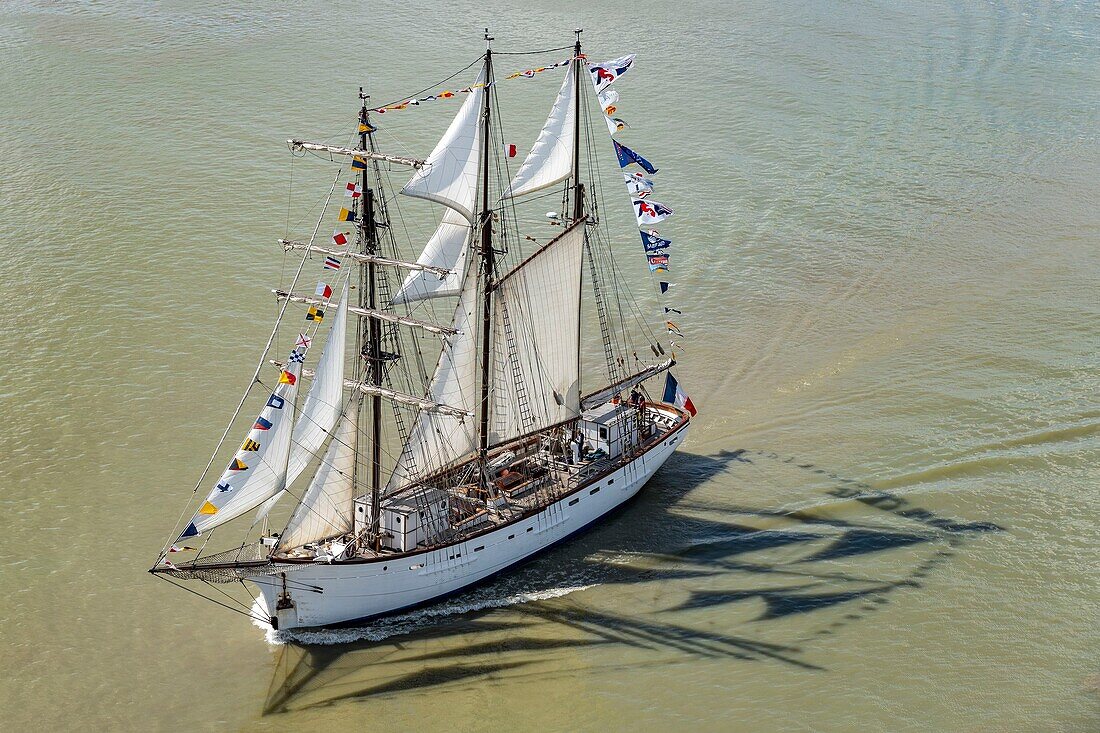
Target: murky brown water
{"type": "Point", "coordinates": [887, 254]}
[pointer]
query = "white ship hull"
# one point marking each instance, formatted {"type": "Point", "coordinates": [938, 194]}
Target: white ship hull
{"type": "Point", "coordinates": [352, 591]}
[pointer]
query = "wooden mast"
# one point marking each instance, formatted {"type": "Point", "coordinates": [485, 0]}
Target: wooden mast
{"type": "Point", "coordinates": [578, 187]}
{"type": "Point", "coordinates": [371, 351]}
{"type": "Point", "coordinates": [486, 256]}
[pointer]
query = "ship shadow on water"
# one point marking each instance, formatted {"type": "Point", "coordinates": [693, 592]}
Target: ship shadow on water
{"type": "Point", "coordinates": [780, 578]}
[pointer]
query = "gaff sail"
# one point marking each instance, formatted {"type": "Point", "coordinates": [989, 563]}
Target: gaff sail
{"type": "Point", "coordinates": [536, 339]}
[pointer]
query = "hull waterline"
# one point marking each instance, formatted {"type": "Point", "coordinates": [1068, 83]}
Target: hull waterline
{"type": "Point", "coordinates": [332, 594]}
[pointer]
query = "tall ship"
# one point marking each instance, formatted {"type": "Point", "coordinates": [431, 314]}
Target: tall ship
{"type": "Point", "coordinates": [451, 426]}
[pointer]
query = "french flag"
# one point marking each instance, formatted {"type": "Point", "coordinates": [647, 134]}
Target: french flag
{"type": "Point", "coordinates": [674, 395]}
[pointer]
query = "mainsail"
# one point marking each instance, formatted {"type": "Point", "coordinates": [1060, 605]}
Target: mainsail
{"type": "Point", "coordinates": [325, 509]}
{"type": "Point", "coordinates": [536, 332]}
{"type": "Point", "coordinates": [449, 174]}
{"type": "Point", "coordinates": [551, 157]}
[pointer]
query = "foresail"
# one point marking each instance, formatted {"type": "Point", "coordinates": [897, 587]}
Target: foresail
{"type": "Point", "coordinates": [551, 157]}
{"type": "Point", "coordinates": [326, 507]}
{"type": "Point", "coordinates": [258, 470]}
{"type": "Point", "coordinates": [321, 408]}
{"type": "Point", "coordinates": [446, 249]}
{"type": "Point", "coordinates": [536, 330]}
{"type": "Point", "coordinates": [449, 174]}
{"type": "Point", "coordinates": [438, 439]}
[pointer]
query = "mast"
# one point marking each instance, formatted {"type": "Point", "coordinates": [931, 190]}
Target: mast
{"type": "Point", "coordinates": [578, 187]}
{"type": "Point", "coordinates": [486, 255]}
{"type": "Point", "coordinates": [372, 350]}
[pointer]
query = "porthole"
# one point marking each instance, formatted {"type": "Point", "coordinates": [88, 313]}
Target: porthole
{"type": "Point", "coordinates": [573, 502]}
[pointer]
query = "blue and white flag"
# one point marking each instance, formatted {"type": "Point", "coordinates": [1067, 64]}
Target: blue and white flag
{"type": "Point", "coordinates": [605, 74]}
{"type": "Point", "coordinates": [650, 212]}
{"type": "Point", "coordinates": [628, 156]}
{"type": "Point", "coordinates": [637, 184]}
{"type": "Point", "coordinates": [652, 242]}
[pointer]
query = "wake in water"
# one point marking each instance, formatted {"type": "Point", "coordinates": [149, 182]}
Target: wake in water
{"type": "Point", "coordinates": [404, 623]}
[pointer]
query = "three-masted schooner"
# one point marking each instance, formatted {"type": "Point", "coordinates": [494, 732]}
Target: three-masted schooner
{"type": "Point", "coordinates": [501, 454]}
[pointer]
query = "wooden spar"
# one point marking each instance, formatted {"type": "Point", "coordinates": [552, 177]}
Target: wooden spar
{"type": "Point", "coordinates": [390, 394]}
{"type": "Point", "coordinates": [578, 187]}
{"type": "Point", "coordinates": [289, 244]}
{"type": "Point", "coordinates": [366, 154]}
{"type": "Point", "coordinates": [603, 395]}
{"type": "Point", "coordinates": [372, 313]}
{"type": "Point", "coordinates": [486, 256]}
{"type": "Point", "coordinates": [368, 236]}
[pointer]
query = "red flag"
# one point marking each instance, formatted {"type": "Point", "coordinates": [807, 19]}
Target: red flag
{"type": "Point", "coordinates": [510, 150]}
{"type": "Point", "coordinates": [323, 291]}
{"type": "Point", "coordinates": [339, 238]}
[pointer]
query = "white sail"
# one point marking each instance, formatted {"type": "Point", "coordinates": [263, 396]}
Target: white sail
{"type": "Point", "coordinates": [449, 174]}
{"type": "Point", "coordinates": [321, 408]}
{"type": "Point", "coordinates": [438, 439]}
{"type": "Point", "coordinates": [536, 328]}
{"type": "Point", "coordinates": [326, 508]}
{"type": "Point", "coordinates": [446, 249]}
{"type": "Point", "coordinates": [551, 157]}
{"type": "Point", "coordinates": [322, 404]}
{"type": "Point", "coordinates": [258, 470]}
